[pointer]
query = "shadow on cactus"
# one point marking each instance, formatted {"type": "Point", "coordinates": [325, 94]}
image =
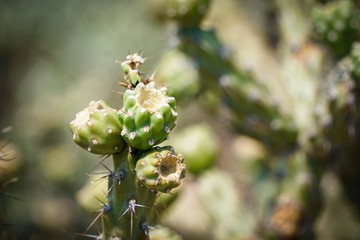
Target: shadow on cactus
{"type": "Point", "coordinates": [142, 170]}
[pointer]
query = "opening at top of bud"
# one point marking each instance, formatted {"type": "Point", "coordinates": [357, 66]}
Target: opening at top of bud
{"type": "Point", "coordinates": [168, 165]}
{"type": "Point", "coordinates": [149, 97]}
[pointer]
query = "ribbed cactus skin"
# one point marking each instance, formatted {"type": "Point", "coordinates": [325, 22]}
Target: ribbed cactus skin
{"type": "Point", "coordinates": [160, 169]}
{"type": "Point", "coordinates": [148, 116]}
{"type": "Point", "coordinates": [97, 129]}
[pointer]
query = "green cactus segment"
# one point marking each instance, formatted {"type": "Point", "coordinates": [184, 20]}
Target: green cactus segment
{"type": "Point", "coordinates": [148, 116]}
{"type": "Point", "coordinates": [160, 169]}
{"type": "Point", "coordinates": [97, 129]}
{"type": "Point", "coordinates": [336, 24]}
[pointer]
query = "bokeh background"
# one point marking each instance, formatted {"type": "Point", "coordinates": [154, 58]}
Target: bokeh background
{"type": "Point", "coordinates": [57, 56]}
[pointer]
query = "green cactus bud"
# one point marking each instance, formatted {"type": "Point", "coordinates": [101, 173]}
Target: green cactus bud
{"type": "Point", "coordinates": [97, 129]}
{"type": "Point", "coordinates": [160, 169]}
{"type": "Point", "coordinates": [131, 68]}
{"type": "Point", "coordinates": [188, 13]}
{"type": "Point", "coordinates": [148, 115]}
{"type": "Point", "coordinates": [336, 24]}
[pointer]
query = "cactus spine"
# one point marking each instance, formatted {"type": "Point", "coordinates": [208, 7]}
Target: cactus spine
{"type": "Point", "coordinates": [130, 135]}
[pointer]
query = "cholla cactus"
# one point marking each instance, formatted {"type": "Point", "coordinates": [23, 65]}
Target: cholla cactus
{"type": "Point", "coordinates": [130, 135]}
{"type": "Point", "coordinates": [310, 123]}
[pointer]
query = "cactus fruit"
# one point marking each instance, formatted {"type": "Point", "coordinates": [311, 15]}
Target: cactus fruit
{"type": "Point", "coordinates": [336, 24]}
{"type": "Point", "coordinates": [199, 145]}
{"type": "Point", "coordinates": [160, 169]}
{"type": "Point", "coordinates": [97, 129]}
{"type": "Point", "coordinates": [148, 115]}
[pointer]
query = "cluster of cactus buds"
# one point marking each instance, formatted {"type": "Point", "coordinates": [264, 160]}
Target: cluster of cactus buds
{"type": "Point", "coordinates": [131, 135]}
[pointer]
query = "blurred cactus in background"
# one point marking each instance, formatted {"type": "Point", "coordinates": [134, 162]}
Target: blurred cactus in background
{"type": "Point", "coordinates": [267, 119]}
{"type": "Point", "coordinates": [299, 102]}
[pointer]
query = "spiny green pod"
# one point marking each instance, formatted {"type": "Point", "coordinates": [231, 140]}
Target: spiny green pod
{"type": "Point", "coordinates": [188, 13]}
{"type": "Point", "coordinates": [148, 115]}
{"type": "Point", "coordinates": [160, 169]}
{"type": "Point", "coordinates": [336, 24]}
{"type": "Point", "coordinates": [97, 129]}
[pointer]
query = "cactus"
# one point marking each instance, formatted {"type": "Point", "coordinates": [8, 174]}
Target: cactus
{"type": "Point", "coordinates": [130, 135]}
{"type": "Point", "coordinates": [160, 169]}
{"type": "Point", "coordinates": [307, 128]}
{"type": "Point", "coordinates": [336, 24]}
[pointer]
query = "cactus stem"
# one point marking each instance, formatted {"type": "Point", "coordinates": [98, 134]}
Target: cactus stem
{"type": "Point", "coordinates": [128, 198]}
{"type": "Point", "coordinates": [131, 208]}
